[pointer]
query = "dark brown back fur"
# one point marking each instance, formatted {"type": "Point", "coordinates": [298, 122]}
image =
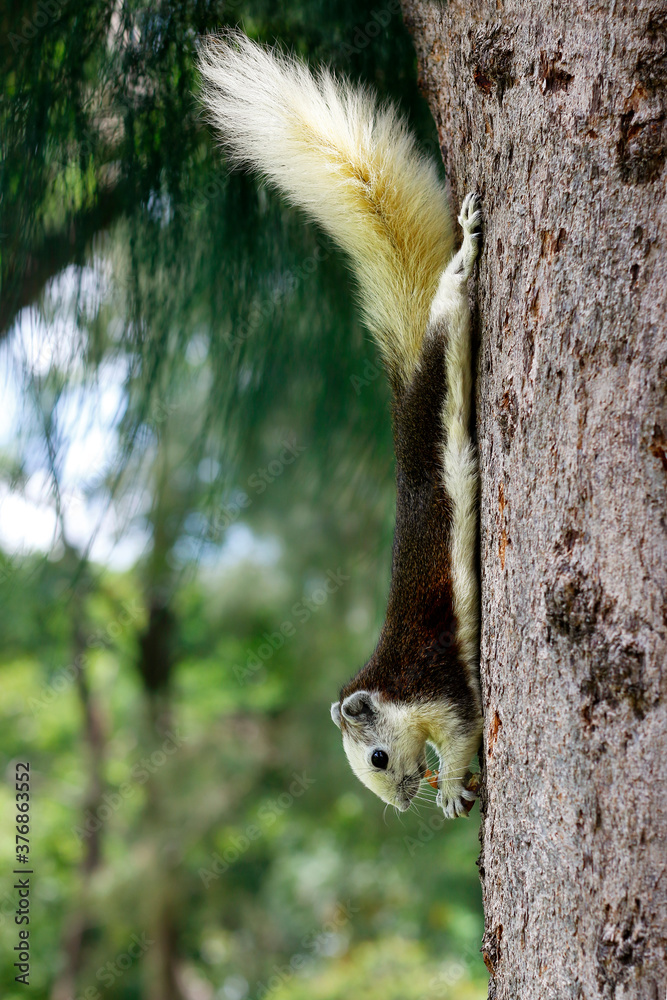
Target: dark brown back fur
{"type": "Point", "coordinates": [417, 656]}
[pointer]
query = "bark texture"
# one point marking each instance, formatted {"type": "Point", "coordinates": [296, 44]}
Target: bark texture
{"type": "Point", "coordinates": [555, 113]}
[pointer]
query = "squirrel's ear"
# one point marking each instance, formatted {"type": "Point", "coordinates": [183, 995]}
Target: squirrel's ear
{"type": "Point", "coordinates": [335, 712]}
{"type": "Point", "coordinates": [358, 708]}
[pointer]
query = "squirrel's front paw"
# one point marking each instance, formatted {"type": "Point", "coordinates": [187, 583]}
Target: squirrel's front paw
{"type": "Point", "coordinates": [458, 799]}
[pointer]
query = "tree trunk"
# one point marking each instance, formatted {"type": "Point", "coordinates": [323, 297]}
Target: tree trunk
{"type": "Point", "coordinates": [81, 924]}
{"type": "Point", "coordinates": [555, 113]}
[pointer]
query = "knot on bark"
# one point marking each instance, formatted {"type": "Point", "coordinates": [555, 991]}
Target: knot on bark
{"type": "Point", "coordinates": [621, 944]}
{"type": "Point", "coordinates": [572, 602]}
{"type": "Point", "coordinates": [492, 60]}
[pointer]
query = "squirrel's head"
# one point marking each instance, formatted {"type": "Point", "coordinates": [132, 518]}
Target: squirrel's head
{"type": "Point", "coordinates": [385, 748]}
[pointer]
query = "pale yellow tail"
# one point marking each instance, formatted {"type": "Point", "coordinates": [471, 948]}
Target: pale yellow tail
{"type": "Point", "coordinates": [353, 165]}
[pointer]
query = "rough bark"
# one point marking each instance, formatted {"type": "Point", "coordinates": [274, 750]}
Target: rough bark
{"type": "Point", "coordinates": [555, 113]}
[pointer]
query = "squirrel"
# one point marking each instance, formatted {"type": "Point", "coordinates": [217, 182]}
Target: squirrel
{"type": "Point", "coordinates": [351, 162]}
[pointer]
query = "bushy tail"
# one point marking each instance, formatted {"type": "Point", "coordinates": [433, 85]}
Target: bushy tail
{"type": "Point", "coordinates": [352, 164]}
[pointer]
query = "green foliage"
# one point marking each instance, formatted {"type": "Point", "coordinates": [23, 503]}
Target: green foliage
{"type": "Point", "coordinates": [188, 787]}
{"type": "Point", "coordinates": [267, 845]}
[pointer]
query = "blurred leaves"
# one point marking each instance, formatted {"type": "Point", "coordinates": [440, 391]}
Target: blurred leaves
{"type": "Point", "coordinates": [197, 425]}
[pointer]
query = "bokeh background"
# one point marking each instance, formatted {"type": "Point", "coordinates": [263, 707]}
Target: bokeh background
{"type": "Point", "coordinates": [196, 515]}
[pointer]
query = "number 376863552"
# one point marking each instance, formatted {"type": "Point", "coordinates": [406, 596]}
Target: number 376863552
{"type": "Point", "coordinates": [22, 811]}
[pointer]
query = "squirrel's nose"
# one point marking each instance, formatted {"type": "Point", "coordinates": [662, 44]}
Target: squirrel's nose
{"type": "Point", "coordinates": [410, 786]}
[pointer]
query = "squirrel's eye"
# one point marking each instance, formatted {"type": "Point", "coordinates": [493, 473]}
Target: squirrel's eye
{"type": "Point", "coordinates": [379, 759]}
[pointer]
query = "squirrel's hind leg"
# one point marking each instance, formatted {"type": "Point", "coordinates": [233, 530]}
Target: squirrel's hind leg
{"type": "Point", "coordinates": [453, 279]}
{"type": "Point", "coordinates": [470, 221]}
{"type": "Point", "coordinates": [450, 320]}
